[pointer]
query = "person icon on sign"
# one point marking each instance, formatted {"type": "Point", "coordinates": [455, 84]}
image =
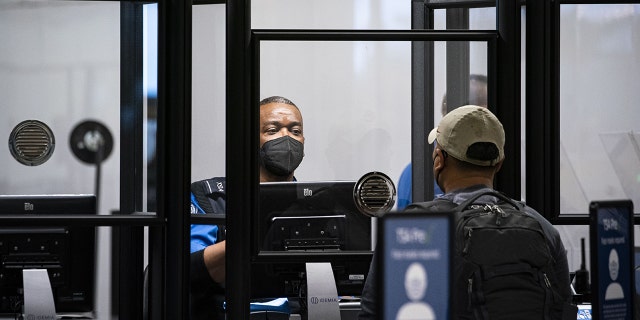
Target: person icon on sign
{"type": "Point", "coordinates": [415, 284]}
{"type": "Point", "coordinates": [614, 290]}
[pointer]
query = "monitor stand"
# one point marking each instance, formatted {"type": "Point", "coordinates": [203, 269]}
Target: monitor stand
{"type": "Point", "coordinates": [38, 296]}
{"type": "Point", "coordinates": [322, 295]}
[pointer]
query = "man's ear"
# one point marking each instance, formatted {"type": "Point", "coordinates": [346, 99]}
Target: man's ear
{"type": "Point", "coordinates": [438, 161]}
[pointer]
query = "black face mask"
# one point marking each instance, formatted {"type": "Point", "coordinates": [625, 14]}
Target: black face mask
{"type": "Point", "coordinates": [282, 156]}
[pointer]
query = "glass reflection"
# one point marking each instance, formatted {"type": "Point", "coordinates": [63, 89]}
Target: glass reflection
{"type": "Point", "coordinates": [598, 117]}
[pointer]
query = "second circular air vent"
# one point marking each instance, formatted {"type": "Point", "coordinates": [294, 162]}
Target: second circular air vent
{"type": "Point", "coordinates": [374, 194]}
{"type": "Point", "coordinates": [31, 142]}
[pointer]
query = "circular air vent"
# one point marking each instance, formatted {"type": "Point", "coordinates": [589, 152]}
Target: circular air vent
{"type": "Point", "coordinates": [374, 194]}
{"type": "Point", "coordinates": [31, 142]}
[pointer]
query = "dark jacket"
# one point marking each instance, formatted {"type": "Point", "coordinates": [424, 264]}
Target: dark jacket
{"type": "Point", "coordinates": [206, 297]}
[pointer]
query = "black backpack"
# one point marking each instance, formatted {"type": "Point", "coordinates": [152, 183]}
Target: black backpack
{"type": "Point", "coordinates": [503, 267]}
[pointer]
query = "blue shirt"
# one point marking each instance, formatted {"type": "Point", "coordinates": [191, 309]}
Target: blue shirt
{"type": "Point", "coordinates": [405, 189]}
{"type": "Point", "coordinates": [202, 235]}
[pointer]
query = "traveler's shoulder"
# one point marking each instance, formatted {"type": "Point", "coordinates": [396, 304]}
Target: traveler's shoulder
{"type": "Point", "coordinates": [434, 205]}
{"type": "Point", "coordinates": [548, 227]}
{"type": "Point", "coordinates": [533, 212]}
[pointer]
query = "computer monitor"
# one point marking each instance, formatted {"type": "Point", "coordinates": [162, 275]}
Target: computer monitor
{"type": "Point", "coordinates": [66, 252]}
{"type": "Point", "coordinates": [294, 213]}
{"type": "Point", "coordinates": [303, 222]}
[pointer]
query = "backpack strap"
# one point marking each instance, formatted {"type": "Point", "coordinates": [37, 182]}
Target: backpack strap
{"type": "Point", "coordinates": [501, 197]}
{"type": "Point", "coordinates": [440, 204]}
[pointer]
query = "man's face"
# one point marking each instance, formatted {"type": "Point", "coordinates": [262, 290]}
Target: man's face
{"type": "Point", "coordinates": [279, 120]}
{"type": "Point", "coordinates": [478, 94]}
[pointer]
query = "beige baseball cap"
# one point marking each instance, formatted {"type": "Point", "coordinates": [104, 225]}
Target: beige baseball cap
{"type": "Point", "coordinates": [465, 126]}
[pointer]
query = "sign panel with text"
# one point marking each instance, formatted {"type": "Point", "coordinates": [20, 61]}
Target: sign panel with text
{"type": "Point", "coordinates": [415, 265]}
{"type": "Point", "coordinates": [612, 259]}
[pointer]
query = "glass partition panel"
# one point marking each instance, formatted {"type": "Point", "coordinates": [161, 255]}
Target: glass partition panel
{"type": "Point", "coordinates": [478, 19]}
{"type": "Point", "coordinates": [208, 92]}
{"type": "Point", "coordinates": [60, 64]}
{"type": "Point", "coordinates": [477, 76]}
{"type": "Point", "coordinates": [150, 103]}
{"type": "Point", "coordinates": [470, 88]}
{"type": "Point", "coordinates": [60, 83]}
{"type": "Point", "coordinates": [355, 102]}
{"type": "Point", "coordinates": [482, 18]}
{"type": "Point", "coordinates": [355, 99]}
{"type": "Point", "coordinates": [599, 76]}
{"type": "Point", "coordinates": [333, 14]}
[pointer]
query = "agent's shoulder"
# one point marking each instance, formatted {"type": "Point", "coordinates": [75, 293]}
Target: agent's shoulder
{"type": "Point", "coordinates": [209, 186]}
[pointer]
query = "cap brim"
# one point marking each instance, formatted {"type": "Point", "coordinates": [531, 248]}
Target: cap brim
{"type": "Point", "coordinates": [432, 135]}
